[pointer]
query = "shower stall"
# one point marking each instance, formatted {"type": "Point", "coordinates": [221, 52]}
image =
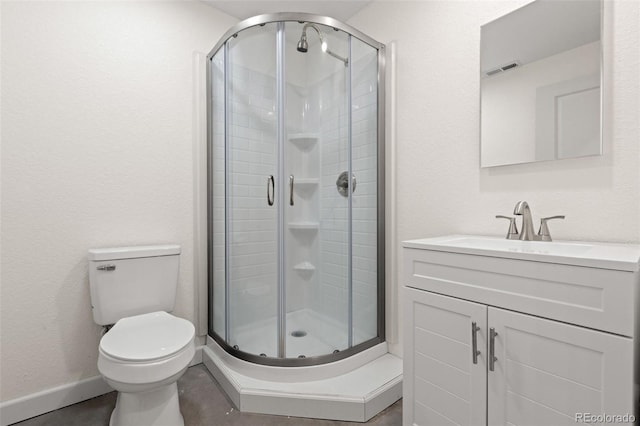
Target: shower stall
{"type": "Point", "coordinates": [295, 190]}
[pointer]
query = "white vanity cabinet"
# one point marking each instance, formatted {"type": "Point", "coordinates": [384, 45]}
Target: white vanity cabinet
{"type": "Point", "coordinates": [564, 342]}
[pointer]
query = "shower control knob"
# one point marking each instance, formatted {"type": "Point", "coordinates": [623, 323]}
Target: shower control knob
{"type": "Point", "coordinates": [342, 184]}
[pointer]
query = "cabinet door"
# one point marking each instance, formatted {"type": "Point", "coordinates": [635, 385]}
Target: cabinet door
{"type": "Point", "coordinates": [442, 384]}
{"type": "Point", "coordinates": [548, 372]}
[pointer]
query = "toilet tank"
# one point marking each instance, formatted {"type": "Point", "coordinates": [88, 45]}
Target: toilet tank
{"type": "Point", "coordinates": [127, 281]}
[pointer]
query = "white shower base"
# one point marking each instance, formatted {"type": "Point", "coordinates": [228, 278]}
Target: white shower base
{"type": "Point", "coordinates": [352, 389]}
{"type": "Point", "coordinates": [323, 335]}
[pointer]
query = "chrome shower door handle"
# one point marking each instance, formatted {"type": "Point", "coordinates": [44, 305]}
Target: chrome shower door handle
{"type": "Point", "coordinates": [271, 187]}
{"type": "Point", "coordinates": [290, 190]}
{"type": "Point", "coordinates": [492, 348]}
{"type": "Point", "coordinates": [474, 342]}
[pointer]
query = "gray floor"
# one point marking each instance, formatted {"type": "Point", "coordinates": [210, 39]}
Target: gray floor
{"type": "Point", "coordinates": [202, 402]}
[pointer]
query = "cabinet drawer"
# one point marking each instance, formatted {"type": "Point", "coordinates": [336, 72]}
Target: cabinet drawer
{"type": "Point", "coordinates": [602, 299]}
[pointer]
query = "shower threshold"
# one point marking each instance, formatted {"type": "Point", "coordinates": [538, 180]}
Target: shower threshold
{"type": "Point", "coordinates": [352, 389]}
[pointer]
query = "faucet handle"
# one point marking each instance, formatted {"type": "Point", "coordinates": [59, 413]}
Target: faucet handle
{"type": "Point", "coordinates": [513, 229]}
{"type": "Point", "coordinates": [543, 232]}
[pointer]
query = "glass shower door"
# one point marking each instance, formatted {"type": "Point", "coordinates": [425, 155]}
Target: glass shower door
{"type": "Point", "coordinates": [316, 213]}
{"type": "Point", "coordinates": [364, 211]}
{"type": "Point", "coordinates": [251, 189]}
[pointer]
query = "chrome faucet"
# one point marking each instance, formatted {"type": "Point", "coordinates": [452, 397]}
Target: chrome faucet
{"type": "Point", "coordinates": [527, 234]}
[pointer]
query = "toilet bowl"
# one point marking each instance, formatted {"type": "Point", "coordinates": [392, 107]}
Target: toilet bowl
{"type": "Point", "coordinates": [142, 357]}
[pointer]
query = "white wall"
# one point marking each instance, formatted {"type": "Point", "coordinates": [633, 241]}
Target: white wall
{"type": "Point", "coordinates": [440, 187]}
{"type": "Point", "coordinates": [97, 141]}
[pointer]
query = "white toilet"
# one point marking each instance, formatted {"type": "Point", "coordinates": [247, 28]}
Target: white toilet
{"type": "Point", "coordinates": [147, 350]}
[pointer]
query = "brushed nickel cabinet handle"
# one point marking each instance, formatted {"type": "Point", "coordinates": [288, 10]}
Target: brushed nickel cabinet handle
{"type": "Point", "coordinates": [474, 342]}
{"type": "Point", "coordinates": [492, 348]}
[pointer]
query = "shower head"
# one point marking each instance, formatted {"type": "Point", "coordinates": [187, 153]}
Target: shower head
{"type": "Point", "coordinates": [303, 45]}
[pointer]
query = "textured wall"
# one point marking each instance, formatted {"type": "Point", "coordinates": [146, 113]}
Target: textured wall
{"type": "Point", "coordinates": [97, 137]}
{"type": "Point", "coordinates": [440, 187]}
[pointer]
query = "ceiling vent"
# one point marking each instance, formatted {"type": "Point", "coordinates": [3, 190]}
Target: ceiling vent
{"type": "Point", "coordinates": [503, 68]}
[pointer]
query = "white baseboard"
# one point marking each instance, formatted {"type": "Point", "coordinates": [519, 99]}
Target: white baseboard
{"type": "Point", "coordinates": [35, 404]}
{"type": "Point", "coordinates": [32, 405]}
{"type": "Point", "coordinates": [197, 357]}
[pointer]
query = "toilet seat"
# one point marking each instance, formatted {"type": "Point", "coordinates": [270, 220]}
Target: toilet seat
{"type": "Point", "coordinates": [146, 349]}
{"type": "Point", "coordinates": [147, 337]}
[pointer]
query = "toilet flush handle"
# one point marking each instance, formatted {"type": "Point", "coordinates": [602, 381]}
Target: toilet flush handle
{"type": "Point", "coordinates": [106, 268]}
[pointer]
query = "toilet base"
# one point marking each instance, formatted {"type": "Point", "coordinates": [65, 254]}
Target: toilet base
{"type": "Point", "coordinates": [156, 407]}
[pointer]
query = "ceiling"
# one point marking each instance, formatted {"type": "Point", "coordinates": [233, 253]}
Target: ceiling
{"type": "Point", "coordinates": [341, 10]}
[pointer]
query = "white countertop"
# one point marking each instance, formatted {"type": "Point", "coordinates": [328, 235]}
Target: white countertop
{"type": "Point", "coordinates": [623, 257]}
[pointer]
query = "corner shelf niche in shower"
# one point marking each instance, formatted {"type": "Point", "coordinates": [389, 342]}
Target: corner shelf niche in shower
{"type": "Point", "coordinates": [304, 226]}
{"type": "Point", "coordinates": [304, 141]}
{"type": "Point", "coordinates": [306, 184]}
{"type": "Point", "coordinates": [305, 267]}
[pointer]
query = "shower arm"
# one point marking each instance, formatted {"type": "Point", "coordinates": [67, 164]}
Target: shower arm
{"type": "Point", "coordinates": [335, 55]}
{"type": "Point", "coordinates": [321, 37]}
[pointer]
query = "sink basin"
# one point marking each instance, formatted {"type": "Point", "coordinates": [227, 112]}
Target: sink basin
{"type": "Point", "coordinates": [542, 247]}
{"type": "Point", "coordinates": [593, 254]}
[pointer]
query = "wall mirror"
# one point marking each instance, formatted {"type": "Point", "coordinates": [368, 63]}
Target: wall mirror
{"type": "Point", "coordinates": [540, 83]}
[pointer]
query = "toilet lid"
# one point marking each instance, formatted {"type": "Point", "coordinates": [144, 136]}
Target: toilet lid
{"type": "Point", "coordinates": [147, 337]}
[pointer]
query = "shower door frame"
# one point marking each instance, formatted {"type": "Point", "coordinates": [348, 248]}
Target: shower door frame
{"type": "Point", "coordinates": [381, 58]}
